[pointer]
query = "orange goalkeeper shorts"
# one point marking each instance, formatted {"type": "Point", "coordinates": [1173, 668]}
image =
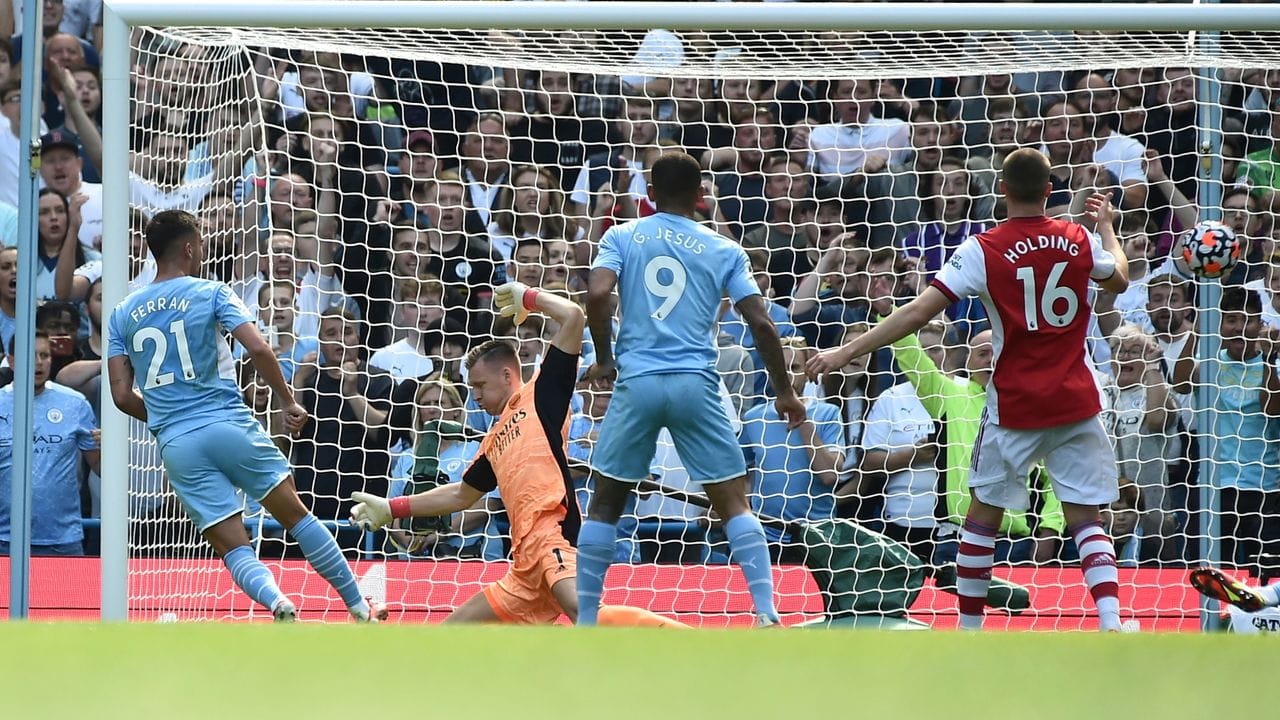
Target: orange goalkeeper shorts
{"type": "Point", "coordinates": [523, 596]}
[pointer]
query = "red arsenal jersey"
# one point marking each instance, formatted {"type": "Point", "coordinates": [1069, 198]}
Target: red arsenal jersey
{"type": "Point", "coordinates": [1032, 274]}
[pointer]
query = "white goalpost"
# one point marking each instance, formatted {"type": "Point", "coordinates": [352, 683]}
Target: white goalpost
{"type": "Point", "coordinates": [844, 143]}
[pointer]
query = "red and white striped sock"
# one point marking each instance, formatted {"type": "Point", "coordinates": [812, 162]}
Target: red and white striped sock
{"type": "Point", "coordinates": [973, 571]}
{"type": "Point", "coordinates": [1098, 563]}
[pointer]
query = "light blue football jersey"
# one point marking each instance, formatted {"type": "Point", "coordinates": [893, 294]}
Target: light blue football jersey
{"type": "Point", "coordinates": [172, 332]}
{"type": "Point", "coordinates": [672, 273]}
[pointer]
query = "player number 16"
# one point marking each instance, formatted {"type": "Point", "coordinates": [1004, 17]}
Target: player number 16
{"type": "Point", "coordinates": [1045, 303]}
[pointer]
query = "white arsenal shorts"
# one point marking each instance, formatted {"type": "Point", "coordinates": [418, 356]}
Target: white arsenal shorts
{"type": "Point", "coordinates": [1078, 457]}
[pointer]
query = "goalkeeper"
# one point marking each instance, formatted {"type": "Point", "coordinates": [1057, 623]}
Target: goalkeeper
{"type": "Point", "coordinates": [524, 456]}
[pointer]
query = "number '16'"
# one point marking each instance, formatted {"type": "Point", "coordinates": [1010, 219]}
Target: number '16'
{"type": "Point", "coordinates": [1035, 305]}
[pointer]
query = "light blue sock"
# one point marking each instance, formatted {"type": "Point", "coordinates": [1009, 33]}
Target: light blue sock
{"type": "Point", "coordinates": [253, 577]}
{"type": "Point", "coordinates": [748, 549]}
{"type": "Point", "coordinates": [596, 541]}
{"type": "Point", "coordinates": [322, 551]}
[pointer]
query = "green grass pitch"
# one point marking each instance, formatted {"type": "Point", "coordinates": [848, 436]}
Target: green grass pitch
{"type": "Point", "coordinates": [304, 672]}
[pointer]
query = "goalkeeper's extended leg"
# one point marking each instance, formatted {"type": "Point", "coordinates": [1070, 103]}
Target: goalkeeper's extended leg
{"type": "Point", "coordinates": [230, 540]}
{"type": "Point", "coordinates": [317, 545]}
{"type": "Point", "coordinates": [626, 616]}
{"type": "Point", "coordinates": [747, 544]}
{"type": "Point", "coordinates": [596, 543]}
{"type": "Point", "coordinates": [1226, 589]}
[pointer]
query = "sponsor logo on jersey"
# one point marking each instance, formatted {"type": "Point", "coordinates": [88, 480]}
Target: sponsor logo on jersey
{"type": "Point", "coordinates": [509, 432]}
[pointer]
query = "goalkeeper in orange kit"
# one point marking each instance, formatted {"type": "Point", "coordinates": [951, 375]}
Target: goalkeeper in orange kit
{"type": "Point", "coordinates": [524, 456]}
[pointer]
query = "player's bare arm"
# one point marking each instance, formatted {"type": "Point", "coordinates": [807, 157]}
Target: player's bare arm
{"type": "Point", "coordinates": [516, 300]}
{"type": "Point", "coordinates": [600, 285]}
{"type": "Point", "coordinates": [123, 393]}
{"type": "Point", "coordinates": [753, 310]}
{"type": "Point", "coordinates": [1098, 208]}
{"type": "Point", "coordinates": [904, 321]}
{"type": "Point", "coordinates": [265, 362]}
{"type": "Point", "coordinates": [373, 512]}
{"type": "Point", "coordinates": [1186, 371]}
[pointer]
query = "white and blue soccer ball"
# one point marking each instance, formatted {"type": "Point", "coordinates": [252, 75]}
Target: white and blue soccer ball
{"type": "Point", "coordinates": [1210, 250]}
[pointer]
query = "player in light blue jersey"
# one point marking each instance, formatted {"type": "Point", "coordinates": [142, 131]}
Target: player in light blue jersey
{"type": "Point", "coordinates": [172, 331]}
{"type": "Point", "coordinates": [671, 273]}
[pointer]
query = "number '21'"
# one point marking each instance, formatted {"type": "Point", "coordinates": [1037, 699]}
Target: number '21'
{"type": "Point", "coordinates": [1044, 304]}
{"type": "Point", "coordinates": [155, 378]}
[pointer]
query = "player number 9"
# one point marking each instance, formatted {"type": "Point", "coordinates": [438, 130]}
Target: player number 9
{"type": "Point", "coordinates": [669, 292]}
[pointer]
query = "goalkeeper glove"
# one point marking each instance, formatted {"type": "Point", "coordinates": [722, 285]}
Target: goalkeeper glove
{"type": "Point", "coordinates": [370, 512]}
{"type": "Point", "coordinates": [514, 300]}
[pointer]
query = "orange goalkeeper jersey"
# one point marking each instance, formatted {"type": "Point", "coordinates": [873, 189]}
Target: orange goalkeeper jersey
{"type": "Point", "coordinates": [524, 457]}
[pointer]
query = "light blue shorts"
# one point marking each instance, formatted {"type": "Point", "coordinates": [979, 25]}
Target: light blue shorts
{"type": "Point", "coordinates": [687, 405]}
{"type": "Point", "coordinates": [206, 466]}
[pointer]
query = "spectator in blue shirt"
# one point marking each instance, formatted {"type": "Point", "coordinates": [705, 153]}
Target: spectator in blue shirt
{"type": "Point", "coordinates": [794, 471]}
{"type": "Point", "coordinates": [64, 433]}
{"type": "Point", "coordinates": [1245, 389]}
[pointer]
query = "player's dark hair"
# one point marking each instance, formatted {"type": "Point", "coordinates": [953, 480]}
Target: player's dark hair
{"type": "Point", "coordinates": [13, 341]}
{"type": "Point", "coordinates": [1236, 192]}
{"type": "Point", "coordinates": [1238, 299]}
{"type": "Point", "coordinates": [496, 350]}
{"type": "Point", "coordinates": [1025, 174]}
{"type": "Point", "coordinates": [676, 178]}
{"type": "Point", "coordinates": [168, 229]}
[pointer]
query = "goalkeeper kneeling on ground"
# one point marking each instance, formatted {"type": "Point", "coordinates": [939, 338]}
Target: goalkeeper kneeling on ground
{"type": "Point", "coordinates": [523, 455]}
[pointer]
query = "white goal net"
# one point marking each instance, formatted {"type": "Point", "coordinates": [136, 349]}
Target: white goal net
{"type": "Point", "coordinates": [365, 190]}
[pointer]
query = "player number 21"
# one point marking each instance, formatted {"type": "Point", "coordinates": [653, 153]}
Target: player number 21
{"type": "Point", "coordinates": [1036, 305]}
{"type": "Point", "coordinates": [669, 292]}
{"type": "Point", "coordinates": [155, 378]}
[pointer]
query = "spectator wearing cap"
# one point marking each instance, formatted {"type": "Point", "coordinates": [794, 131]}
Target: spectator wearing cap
{"type": "Point", "coordinates": [418, 168]}
{"type": "Point", "coordinates": [61, 165]}
{"type": "Point", "coordinates": [551, 135]}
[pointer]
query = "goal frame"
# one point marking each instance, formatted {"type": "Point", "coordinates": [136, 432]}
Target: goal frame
{"type": "Point", "coordinates": [119, 16]}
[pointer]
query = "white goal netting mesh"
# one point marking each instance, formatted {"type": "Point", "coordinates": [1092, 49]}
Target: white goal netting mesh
{"type": "Point", "coordinates": [365, 190]}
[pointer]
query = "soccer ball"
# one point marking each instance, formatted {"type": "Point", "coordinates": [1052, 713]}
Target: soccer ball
{"type": "Point", "coordinates": [1210, 250]}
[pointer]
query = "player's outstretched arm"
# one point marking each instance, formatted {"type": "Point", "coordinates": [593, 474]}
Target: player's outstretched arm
{"type": "Point", "coordinates": [1098, 208]}
{"type": "Point", "coordinates": [265, 362]}
{"type": "Point", "coordinates": [120, 373]}
{"type": "Point", "coordinates": [600, 287]}
{"type": "Point", "coordinates": [372, 512]}
{"type": "Point", "coordinates": [904, 321]}
{"type": "Point", "coordinates": [517, 300]}
{"type": "Point", "coordinates": [1186, 371]}
{"type": "Point", "coordinates": [755, 313]}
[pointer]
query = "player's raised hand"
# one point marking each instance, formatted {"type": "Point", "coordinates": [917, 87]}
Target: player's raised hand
{"type": "Point", "coordinates": [295, 416]}
{"type": "Point", "coordinates": [827, 361]}
{"type": "Point", "coordinates": [1099, 209]}
{"type": "Point", "coordinates": [370, 511]}
{"type": "Point", "coordinates": [509, 300]}
{"type": "Point", "coordinates": [602, 375]}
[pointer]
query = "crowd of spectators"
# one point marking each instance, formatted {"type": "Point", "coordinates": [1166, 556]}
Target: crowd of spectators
{"type": "Point", "coordinates": [365, 208]}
